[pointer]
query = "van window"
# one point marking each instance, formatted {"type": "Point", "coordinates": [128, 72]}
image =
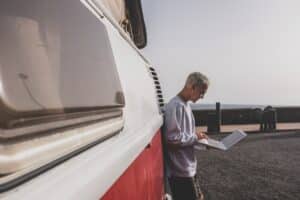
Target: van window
{"type": "Point", "coordinates": [59, 87]}
{"type": "Point", "coordinates": [55, 60]}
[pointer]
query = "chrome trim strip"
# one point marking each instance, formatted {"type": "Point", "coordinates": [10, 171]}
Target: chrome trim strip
{"type": "Point", "coordinates": [48, 123]}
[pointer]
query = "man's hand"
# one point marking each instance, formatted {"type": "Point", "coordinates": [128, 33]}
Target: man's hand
{"type": "Point", "coordinates": [201, 135]}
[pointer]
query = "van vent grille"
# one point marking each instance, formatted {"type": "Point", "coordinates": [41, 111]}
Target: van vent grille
{"type": "Point", "coordinates": [159, 94]}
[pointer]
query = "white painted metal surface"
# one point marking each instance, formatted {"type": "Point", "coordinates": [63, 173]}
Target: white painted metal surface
{"type": "Point", "coordinates": [23, 157]}
{"type": "Point", "coordinates": [90, 174]}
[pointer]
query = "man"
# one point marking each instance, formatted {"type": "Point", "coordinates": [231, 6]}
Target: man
{"type": "Point", "coordinates": [180, 137]}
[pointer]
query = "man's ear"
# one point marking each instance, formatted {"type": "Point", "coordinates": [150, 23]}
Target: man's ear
{"type": "Point", "coordinates": [193, 87]}
{"type": "Point", "coordinates": [190, 86]}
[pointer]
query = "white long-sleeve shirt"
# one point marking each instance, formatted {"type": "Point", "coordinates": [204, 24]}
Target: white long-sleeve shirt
{"type": "Point", "coordinates": [180, 136]}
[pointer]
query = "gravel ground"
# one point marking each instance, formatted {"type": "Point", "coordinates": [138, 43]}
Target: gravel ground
{"type": "Point", "coordinates": [264, 166]}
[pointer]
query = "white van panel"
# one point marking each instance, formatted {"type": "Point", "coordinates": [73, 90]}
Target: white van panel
{"type": "Point", "coordinates": [90, 174]}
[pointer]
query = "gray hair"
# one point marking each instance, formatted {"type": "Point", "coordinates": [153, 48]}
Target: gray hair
{"type": "Point", "coordinates": [197, 79]}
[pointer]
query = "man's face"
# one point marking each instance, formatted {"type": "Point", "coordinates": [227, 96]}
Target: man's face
{"type": "Point", "coordinates": [198, 93]}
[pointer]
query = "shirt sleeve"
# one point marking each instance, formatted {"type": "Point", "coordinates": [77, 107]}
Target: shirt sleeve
{"type": "Point", "coordinates": [175, 135]}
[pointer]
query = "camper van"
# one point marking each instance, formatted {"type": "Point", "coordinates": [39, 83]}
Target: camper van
{"type": "Point", "coordinates": [80, 106]}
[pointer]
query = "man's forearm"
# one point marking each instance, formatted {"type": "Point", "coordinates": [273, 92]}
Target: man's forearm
{"type": "Point", "coordinates": [182, 141]}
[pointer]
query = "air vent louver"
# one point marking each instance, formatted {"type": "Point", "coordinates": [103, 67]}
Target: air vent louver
{"type": "Point", "coordinates": [159, 95]}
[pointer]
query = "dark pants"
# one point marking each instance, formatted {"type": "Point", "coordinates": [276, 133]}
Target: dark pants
{"type": "Point", "coordinates": [185, 188]}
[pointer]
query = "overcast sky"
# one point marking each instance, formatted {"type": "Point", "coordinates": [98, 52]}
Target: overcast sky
{"type": "Point", "coordinates": [250, 49]}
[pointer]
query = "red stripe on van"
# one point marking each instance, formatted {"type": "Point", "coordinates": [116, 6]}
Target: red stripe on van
{"type": "Point", "coordinates": [143, 180]}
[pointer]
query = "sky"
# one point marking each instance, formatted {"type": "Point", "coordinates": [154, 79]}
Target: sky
{"type": "Point", "coordinates": [249, 49]}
